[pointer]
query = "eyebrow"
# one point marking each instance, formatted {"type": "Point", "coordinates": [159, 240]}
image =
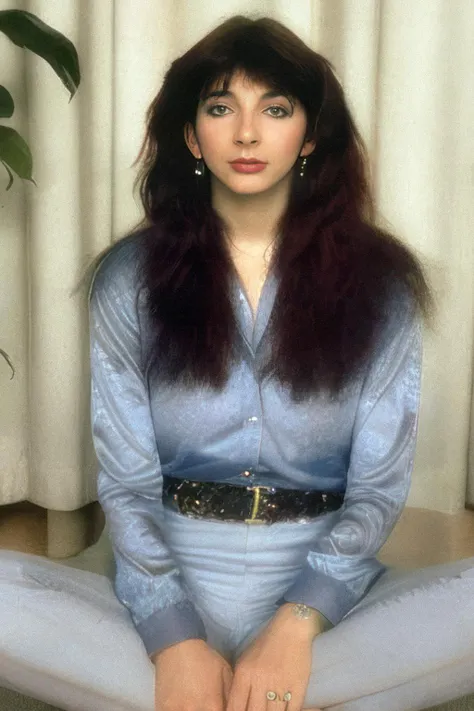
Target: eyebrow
{"type": "Point", "coordinates": [268, 95]}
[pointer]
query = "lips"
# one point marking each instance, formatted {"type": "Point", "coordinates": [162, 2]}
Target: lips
{"type": "Point", "coordinates": [255, 167]}
{"type": "Point", "coordinates": [247, 161]}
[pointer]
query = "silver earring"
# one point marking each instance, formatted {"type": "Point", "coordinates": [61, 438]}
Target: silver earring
{"type": "Point", "coordinates": [199, 167]}
{"type": "Point", "coordinates": [303, 164]}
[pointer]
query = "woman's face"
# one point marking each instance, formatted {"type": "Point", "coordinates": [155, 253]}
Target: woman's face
{"type": "Point", "coordinates": [248, 123]}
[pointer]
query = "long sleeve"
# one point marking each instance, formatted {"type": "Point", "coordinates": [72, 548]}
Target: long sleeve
{"type": "Point", "coordinates": [342, 566]}
{"type": "Point", "coordinates": [147, 580]}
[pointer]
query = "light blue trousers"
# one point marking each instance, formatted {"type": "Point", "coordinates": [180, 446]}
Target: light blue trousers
{"type": "Point", "coordinates": [408, 645]}
{"type": "Point", "coordinates": [66, 639]}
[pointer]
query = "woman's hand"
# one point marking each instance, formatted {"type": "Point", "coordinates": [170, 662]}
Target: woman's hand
{"type": "Point", "coordinates": [191, 676]}
{"type": "Point", "coordinates": [279, 660]}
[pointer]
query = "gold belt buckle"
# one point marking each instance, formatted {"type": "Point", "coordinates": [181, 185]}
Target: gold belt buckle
{"type": "Point", "coordinates": [256, 501]}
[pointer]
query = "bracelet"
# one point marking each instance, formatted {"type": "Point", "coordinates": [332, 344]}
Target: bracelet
{"type": "Point", "coordinates": [304, 612]}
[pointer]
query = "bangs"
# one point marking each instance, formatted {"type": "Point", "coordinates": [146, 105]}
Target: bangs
{"type": "Point", "coordinates": [254, 52]}
{"type": "Point", "coordinates": [222, 80]}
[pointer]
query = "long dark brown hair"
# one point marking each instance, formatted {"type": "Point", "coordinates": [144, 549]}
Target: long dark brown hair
{"type": "Point", "coordinates": [336, 269]}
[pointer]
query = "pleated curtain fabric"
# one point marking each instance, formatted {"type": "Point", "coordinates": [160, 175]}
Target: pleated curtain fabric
{"type": "Point", "coordinates": [406, 69]}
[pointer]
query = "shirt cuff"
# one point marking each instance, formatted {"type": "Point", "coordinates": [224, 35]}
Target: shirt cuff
{"type": "Point", "coordinates": [331, 597]}
{"type": "Point", "coordinates": [169, 626]}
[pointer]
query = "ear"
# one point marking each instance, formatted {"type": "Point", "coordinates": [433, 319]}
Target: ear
{"type": "Point", "coordinates": [191, 141]}
{"type": "Point", "coordinates": [307, 149]}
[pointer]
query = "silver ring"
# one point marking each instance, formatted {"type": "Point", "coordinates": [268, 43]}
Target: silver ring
{"type": "Point", "coordinates": [271, 696]}
{"type": "Point", "coordinates": [287, 696]}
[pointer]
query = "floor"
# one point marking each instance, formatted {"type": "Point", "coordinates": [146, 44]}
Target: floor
{"type": "Point", "coordinates": [24, 527]}
{"type": "Point", "coordinates": [423, 538]}
{"type": "Point", "coordinates": [420, 538]}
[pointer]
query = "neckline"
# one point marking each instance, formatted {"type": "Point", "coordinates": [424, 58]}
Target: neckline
{"type": "Point", "coordinates": [253, 326]}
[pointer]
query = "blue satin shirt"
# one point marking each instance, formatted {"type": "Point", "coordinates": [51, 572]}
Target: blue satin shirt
{"type": "Point", "coordinates": [362, 444]}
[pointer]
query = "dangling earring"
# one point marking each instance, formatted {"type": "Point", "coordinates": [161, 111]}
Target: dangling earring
{"type": "Point", "coordinates": [200, 168]}
{"type": "Point", "coordinates": [303, 164]}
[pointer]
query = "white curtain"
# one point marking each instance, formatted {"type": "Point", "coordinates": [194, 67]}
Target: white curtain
{"type": "Point", "coordinates": [407, 71]}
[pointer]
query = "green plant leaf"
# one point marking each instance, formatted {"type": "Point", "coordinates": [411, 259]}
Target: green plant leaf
{"type": "Point", "coordinates": [15, 154]}
{"type": "Point", "coordinates": [7, 358]}
{"type": "Point", "coordinates": [10, 175]}
{"type": "Point", "coordinates": [26, 30]}
{"type": "Point", "coordinates": [7, 106]}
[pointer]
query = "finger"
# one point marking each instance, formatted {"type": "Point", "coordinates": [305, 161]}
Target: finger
{"type": "Point", "coordinates": [296, 703]}
{"type": "Point", "coordinates": [277, 704]}
{"type": "Point", "coordinates": [227, 677]}
{"type": "Point", "coordinates": [238, 695]}
{"type": "Point", "coordinates": [258, 701]}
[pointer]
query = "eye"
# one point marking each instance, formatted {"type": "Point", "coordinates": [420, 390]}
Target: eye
{"type": "Point", "coordinates": [221, 110]}
{"type": "Point", "coordinates": [211, 110]}
{"type": "Point", "coordinates": [282, 114]}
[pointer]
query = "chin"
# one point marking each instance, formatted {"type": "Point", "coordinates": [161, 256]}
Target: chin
{"type": "Point", "coordinates": [249, 192]}
{"type": "Point", "coordinates": [248, 184]}
{"type": "Point", "coordinates": [254, 186]}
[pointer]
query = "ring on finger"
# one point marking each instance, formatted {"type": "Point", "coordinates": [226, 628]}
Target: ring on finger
{"type": "Point", "coordinates": [273, 696]}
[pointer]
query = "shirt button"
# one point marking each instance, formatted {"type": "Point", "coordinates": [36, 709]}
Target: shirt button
{"type": "Point", "coordinates": [252, 419]}
{"type": "Point", "coordinates": [246, 473]}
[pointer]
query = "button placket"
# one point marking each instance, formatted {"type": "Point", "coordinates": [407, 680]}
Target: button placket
{"type": "Point", "coordinates": [252, 427]}
{"type": "Point", "coordinates": [247, 473]}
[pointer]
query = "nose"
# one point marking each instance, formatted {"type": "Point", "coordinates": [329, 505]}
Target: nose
{"type": "Point", "coordinates": [246, 132]}
{"type": "Point", "coordinates": [244, 142]}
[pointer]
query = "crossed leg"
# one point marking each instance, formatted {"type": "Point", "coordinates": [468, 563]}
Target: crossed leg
{"type": "Point", "coordinates": [408, 645]}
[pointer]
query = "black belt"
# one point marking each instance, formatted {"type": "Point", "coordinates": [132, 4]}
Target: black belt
{"type": "Point", "coordinates": [251, 504]}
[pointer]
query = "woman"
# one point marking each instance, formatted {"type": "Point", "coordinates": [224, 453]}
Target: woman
{"type": "Point", "coordinates": [256, 359]}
